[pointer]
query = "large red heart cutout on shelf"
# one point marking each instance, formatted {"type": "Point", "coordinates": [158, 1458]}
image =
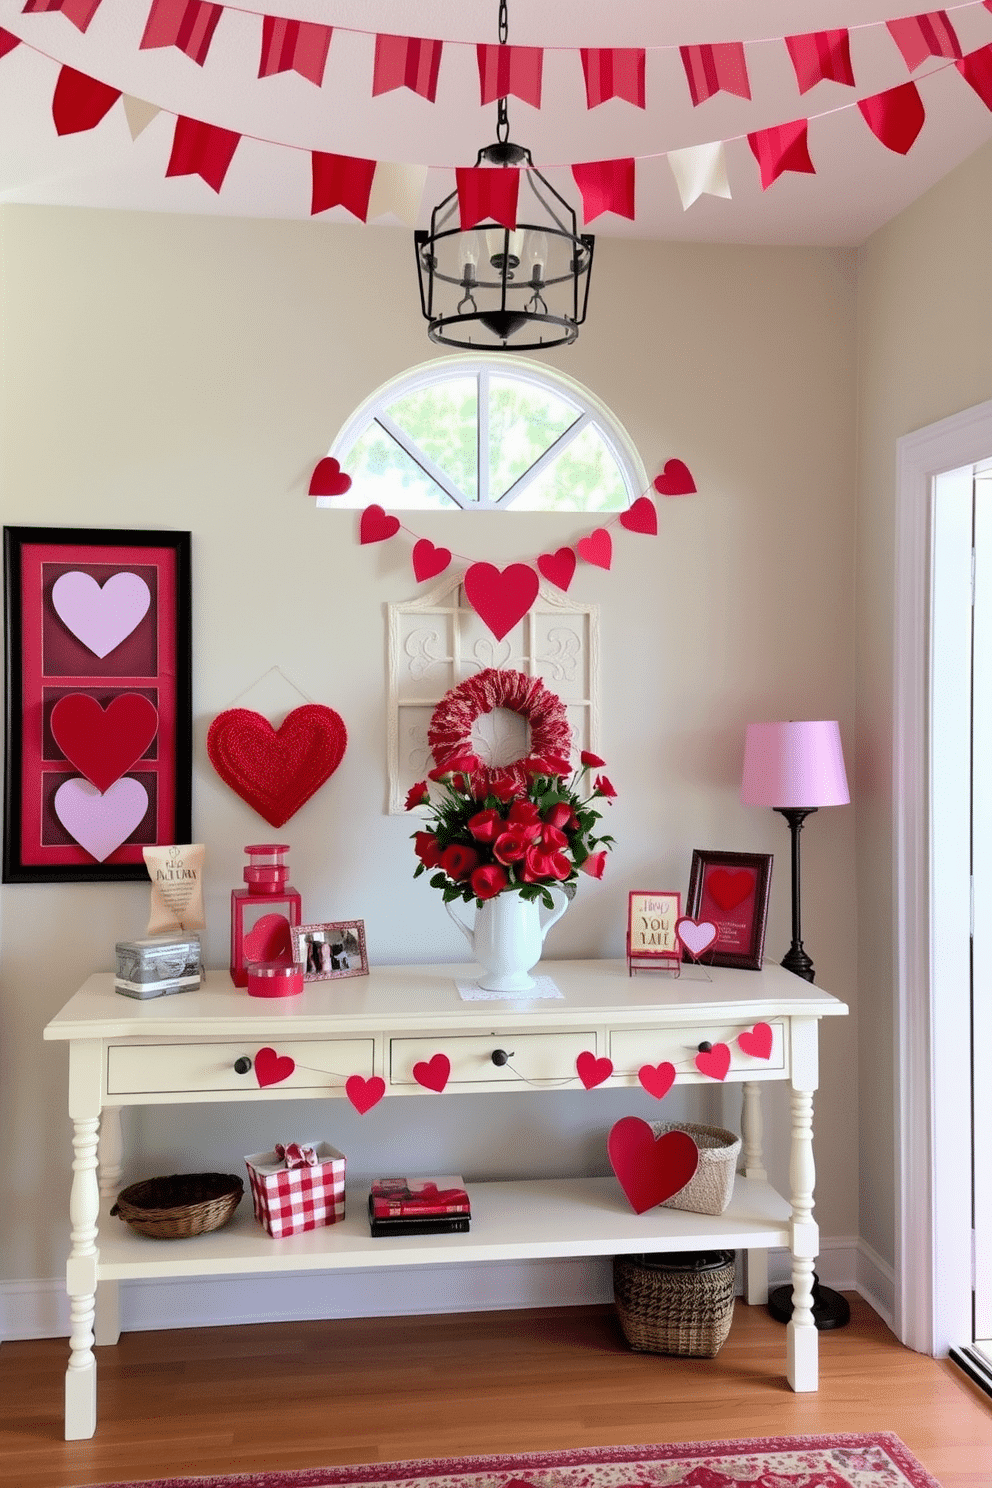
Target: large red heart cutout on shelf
{"type": "Point", "coordinates": [592, 1071]}
{"type": "Point", "coordinates": [596, 548]}
{"type": "Point", "coordinates": [376, 526]}
{"type": "Point", "coordinates": [728, 887]}
{"type": "Point", "coordinates": [757, 1042]}
{"type": "Point", "coordinates": [675, 480]}
{"type": "Point", "coordinates": [269, 939]}
{"type": "Point", "coordinates": [714, 1062]}
{"type": "Point", "coordinates": [657, 1079]}
{"type": "Point", "coordinates": [103, 743]}
{"type": "Point", "coordinates": [650, 1169]}
{"type": "Point", "coordinates": [364, 1094]}
{"type": "Point", "coordinates": [276, 770]}
{"type": "Point", "coordinates": [433, 1073]}
{"type": "Point", "coordinates": [558, 567]}
{"type": "Point", "coordinates": [641, 517]}
{"type": "Point", "coordinates": [429, 561]}
{"type": "Point", "coordinates": [501, 597]}
{"type": "Point", "coordinates": [328, 478]}
{"type": "Point", "coordinates": [272, 1068]}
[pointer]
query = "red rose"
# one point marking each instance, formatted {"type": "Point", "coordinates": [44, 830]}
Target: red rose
{"type": "Point", "coordinates": [505, 789]}
{"type": "Point", "coordinates": [561, 816]}
{"type": "Point", "coordinates": [486, 826]}
{"type": "Point", "coordinates": [417, 795]}
{"type": "Point", "coordinates": [459, 860]}
{"type": "Point", "coordinates": [594, 864]}
{"type": "Point", "coordinates": [551, 840]}
{"type": "Point", "coordinates": [426, 848]}
{"type": "Point", "coordinates": [489, 880]}
{"type": "Point", "coordinates": [466, 763]}
{"type": "Point", "coordinates": [511, 846]}
{"type": "Point", "coordinates": [602, 787]}
{"type": "Point", "coordinates": [523, 811]}
{"type": "Point", "coordinates": [591, 760]}
{"type": "Point", "coordinates": [538, 865]}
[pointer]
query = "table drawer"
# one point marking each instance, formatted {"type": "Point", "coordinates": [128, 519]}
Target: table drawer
{"type": "Point", "coordinates": [532, 1056]}
{"type": "Point", "coordinates": [630, 1048]}
{"type": "Point", "coordinates": [157, 1069]}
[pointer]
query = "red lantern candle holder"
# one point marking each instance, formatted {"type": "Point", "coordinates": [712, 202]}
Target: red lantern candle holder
{"type": "Point", "coordinates": [264, 913]}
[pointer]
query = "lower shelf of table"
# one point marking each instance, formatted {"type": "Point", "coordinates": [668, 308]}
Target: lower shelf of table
{"type": "Point", "coordinates": [512, 1221]}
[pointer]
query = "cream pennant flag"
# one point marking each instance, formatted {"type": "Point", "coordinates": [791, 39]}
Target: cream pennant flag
{"type": "Point", "coordinates": [700, 170]}
{"type": "Point", "coordinates": [397, 189]}
{"type": "Point", "coordinates": [139, 114]}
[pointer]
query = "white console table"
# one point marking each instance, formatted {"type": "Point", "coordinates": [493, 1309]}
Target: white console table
{"type": "Point", "coordinates": [185, 1048]}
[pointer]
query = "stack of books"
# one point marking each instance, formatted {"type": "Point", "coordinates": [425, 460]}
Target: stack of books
{"type": "Point", "coordinates": [419, 1206]}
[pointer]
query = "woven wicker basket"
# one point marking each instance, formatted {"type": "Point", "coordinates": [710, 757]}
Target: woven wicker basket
{"type": "Point", "coordinates": [181, 1205]}
{"type": "Point", "coordinates": [711, 1186]}
{"type": "Point", "coordinates": [675, 1304]}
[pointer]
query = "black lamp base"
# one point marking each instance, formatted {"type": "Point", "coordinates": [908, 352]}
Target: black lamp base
{"type": "Point", "coordinates": [830, 1309]}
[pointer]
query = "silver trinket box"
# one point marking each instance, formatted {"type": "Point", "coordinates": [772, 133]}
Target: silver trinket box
{"type": "Point", "coordinates": [158, 965]}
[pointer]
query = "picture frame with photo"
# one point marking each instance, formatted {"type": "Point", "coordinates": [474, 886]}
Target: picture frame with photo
{"type": "Point", "coordinates": [731, 890]}
{"type": "Point", "coordinates": [331, 950]}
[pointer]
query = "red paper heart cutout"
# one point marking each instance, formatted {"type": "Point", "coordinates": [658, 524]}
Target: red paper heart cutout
{"type": "Point", "coordinates": [364, 1094]}
{"type": "Point", "coordinates": [328, 478]}
{"type": "Point", "coordinates": [728, 887]}
{"type": "Point", "coordinates": [650, 1169]}
{"type": "Point", "coordinates": [433, 1073]}
{"type": "Point", "coordinates": [641, 517]}
{"type": "Point", "coordinates": [276, 771]}
{"type": "Point", "coordinates": [103, 743]}
{"type": "Point", "coordinates": [558, 567]}
{"type": "Point", "coordinates": [695, 935]}
{"type": "Point", "coordinates": [269, 939]}
{"type": "Point", "coordinates": [429, 561]}
{"type": "Point", "coordinates": [592, 1071]}
{"type": "Point", "coordinates": [675, 480]}
{"type": "Point", "coordinates": [272, 1068]}
{"type": "Point", "coordinates": [757, 1043]}
{"type": "Point", "coordinates": [714, 1062]}
{"type": "Point", "coordinates": [501, 598]}
{"type": "Point", "coordinates": [597, 548]}
{"type": "Point", "coordinates": [376, 526]}
{"type": "Point", "coordinates": [657, 1079]}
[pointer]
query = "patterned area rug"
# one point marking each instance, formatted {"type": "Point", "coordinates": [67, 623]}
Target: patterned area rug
{"type": "Point", "coordinates": [878, 1460]}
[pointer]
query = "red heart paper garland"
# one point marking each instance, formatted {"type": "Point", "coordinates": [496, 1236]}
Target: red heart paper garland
{"type": "Point", "coordinates": [376, 525]}
{"type": "Point", "coordinates": [650, 1169]}
{"type": "Point", "coordinates": [657, 1079]}
{"type": "Point", "coordinates": [641, 517]}
{"type": "Point", "coordinates": [433, 1073]}
{"type": "Point", "coordinates": [276, 770]}
{"type": "Point", "coordinates": [501, 598]}
{"type": "Point", "coordinates": [558, 567]}
{"type": "Point", "coordinates": [429, 561]}
{"type": "Point", "coordinates": [592, 1071]}
{"type": "Point", "coordinates": [714, 1062]}
{"type": "Point", "coordinates": [103, 743]}
{"type": "Point", "coordinates": [675, 480]}
{"type": "Point", "coordinates": [757, 1042]}
{"type": "Point", "coordinates": [364, 1094]}
{"type": "Point", "coordinates": [328, 478]}
{"type": "Point", "coordinates": [272, 1068]}
{"type": "Point", "coordinates": [596, 548]}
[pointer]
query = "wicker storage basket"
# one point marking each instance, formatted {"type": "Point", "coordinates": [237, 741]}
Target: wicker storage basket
{"type": "Point", "coordinates": [682, 1303]}
{"type": "Point", "coordinates": [181, 1205]}
{"type": "Point", "coordinates": [710, 1187]}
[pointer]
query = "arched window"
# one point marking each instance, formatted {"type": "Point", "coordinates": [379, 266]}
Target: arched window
{"type": "Point", "coordinates": [480, 433]}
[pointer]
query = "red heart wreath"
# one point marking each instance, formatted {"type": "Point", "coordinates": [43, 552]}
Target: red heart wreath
{"type": "Point", "coordinates": [276, 770]}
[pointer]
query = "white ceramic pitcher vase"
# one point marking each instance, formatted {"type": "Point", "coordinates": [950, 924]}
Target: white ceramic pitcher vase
{"type": "Point", "coordinates": [508, 938]}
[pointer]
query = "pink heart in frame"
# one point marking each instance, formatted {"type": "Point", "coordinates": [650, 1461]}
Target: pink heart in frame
{"type": "Point", "coordinates": [596, 548]}
{"type": "Point", "coordinates": [272, 1068]}
{"type": "Point", "coordinates": [433, 1073]}
{"type": "Point", "coordinates": [695, 935]}
{"type": "Point", "coordinates": [100, 823]}
{"type": "Point", "coordinates": [429, 561]}
{"type": "Point", "coordinates": [592, 1071]}
{"type": "Point", "coordinates": [650, 1169]}
{"type": "Point", "coordinates": [376, 525]}
{"type": "Point", "coordinates": [675, 480]}
{"type": "Point", "coordinates": [101, 617]}
{"type": "Point", "coordinates": [328, 478]}
{"type": "Point", "coordinates": [714, 1062]}
{"type": "Point", "coordinates": [657, 1079]}
{"type": "Point", "coordinates": [501, 598]}
{"type": "Point", "coordinates": [641, 517]}
{"type": "Point", "coordinates": [558, 567]}
{"type": "Point", "coordinates": [757, 1042]}
{"type": "Point", "coordinates": [364, 1094]}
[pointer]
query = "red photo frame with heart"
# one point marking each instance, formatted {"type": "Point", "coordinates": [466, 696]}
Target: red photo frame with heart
{"type": "Point", "coordinates": [731, 889]}
{"type": "Point", "coordinates": [98, 750]}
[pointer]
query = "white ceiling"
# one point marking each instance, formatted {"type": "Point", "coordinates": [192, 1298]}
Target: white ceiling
{"type": "Point", "coordinates": [859, 184]}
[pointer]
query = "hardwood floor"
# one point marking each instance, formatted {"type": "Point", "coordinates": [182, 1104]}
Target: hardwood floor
{"type": "Point", "coordinates": [225, 1400]}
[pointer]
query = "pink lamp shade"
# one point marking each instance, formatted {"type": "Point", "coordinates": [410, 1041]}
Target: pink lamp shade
{"type": "Point", "coordinates": [794, 764]}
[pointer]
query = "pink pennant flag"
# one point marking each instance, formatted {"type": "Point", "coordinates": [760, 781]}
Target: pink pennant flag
{"type": "Point", "coordinates": [485, 193]}
{"type": "Point", "coordinates": [79, 12]}
{"type": "Point", "coordinates": [294, 46]}
{"type": "Point", "coordinates": [203, 150]}
{"type": "Point", "coordinates": [606, 186]}
{"type": "Point", "coordinates": [782, 148]}
{"type": "Point", "coordinates": [821, 56]}
{"type": "Point", "coordinates": [613, 72]}
{"type": "Point", "coordinates": [976, 69]}
{"type": "Point", "coordinates": [186, 24]}
{"type": "Point", "coordinates": [715, 69]}
{"type": "Point", "coordinates": [7, 42]}
{"type": "Point", "coordinates": [506, 69]}
{"type": "Point", "coordinates": [341, 181]}
{"type": "Point", "coordinates": [80, 102]}
{"type": "Point", "coordinates": [406, 62]}
{"type": "Point", "coordinates": [895, 116]}
{"type": "Point", "coordinates": [923, 36]}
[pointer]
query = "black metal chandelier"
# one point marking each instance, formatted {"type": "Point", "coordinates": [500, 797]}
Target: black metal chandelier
{"type": "Point", "coordinates": [494, 288]}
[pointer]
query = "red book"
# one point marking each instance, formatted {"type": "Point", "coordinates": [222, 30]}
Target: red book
{"type": "Point", "coordinates": [418, 1198]}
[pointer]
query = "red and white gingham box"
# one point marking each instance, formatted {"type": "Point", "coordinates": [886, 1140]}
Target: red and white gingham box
{"type": "Point", "coordinates": [288, 1200]}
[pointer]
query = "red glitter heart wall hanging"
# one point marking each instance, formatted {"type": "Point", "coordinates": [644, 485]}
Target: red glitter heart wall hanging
{"type": "Point", "coordinates": [276, 770]}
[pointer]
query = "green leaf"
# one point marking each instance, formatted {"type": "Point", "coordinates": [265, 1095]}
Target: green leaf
{"type": "Point", "coordinates": [439, 880]}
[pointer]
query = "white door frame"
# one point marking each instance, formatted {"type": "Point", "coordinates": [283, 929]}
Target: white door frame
{"type": "Point", "coordinates": [932, 1032]}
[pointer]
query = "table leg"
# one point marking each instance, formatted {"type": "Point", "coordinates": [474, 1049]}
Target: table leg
{"type": "Point", "coordinates": [803, 1342]}
{"type": "Point", "coordinates": [752, 1131]}
{"type": "Point", "coordinates": [84, 1211]}
{"type": "Point", "coordinates": [111, 1159]}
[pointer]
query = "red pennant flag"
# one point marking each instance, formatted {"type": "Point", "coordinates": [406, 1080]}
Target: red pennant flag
{"type": "Point", "coordinates": [79, 12]}
{"type": "Point", "coordinates": [821, 56]}
{"type": "Point", "coordinates": [715, 69]}
{"type": "Point", "coordinates": [923, 36]}
{"type": "Point", "coordinates": [613, 72]}
{"type": "Point", "coordinates": [895, 116]}
{"type": "Point", "coordinates": [80, 102]}
{"type": "Point", "coordinates": [341, 181]}
{"type": "Point", "coordinates": [606, 186]}
{"type": "Point", "coordinates": [506, 69]}
{"type": "Point", "coordinates": [7, 42]}
{"type": "Point", "coordinates": [203, 150]}
{"type": "Point", "coordinates": [186, 24]}
{"type": "Point", "coordinates": [294, 46]}
{"type": "Point", "coordinates": [406, 62]}
{"type": "Point", "coordinates": [976, 69]}
{"type": "Point", "coordinates": [782, 148]}
{"type": "Point", "coordinates": [486, 193]}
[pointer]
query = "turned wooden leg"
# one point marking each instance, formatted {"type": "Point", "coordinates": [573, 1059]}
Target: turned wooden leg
{"type": "Point", "coordinates": [111, 1155]}
{"type": "Point", "coordinates": [752, 1131]}
{"type": "Point", "coordinates": [803, 1343]}
{"type": "Point", "coordinates": [84, 1211]}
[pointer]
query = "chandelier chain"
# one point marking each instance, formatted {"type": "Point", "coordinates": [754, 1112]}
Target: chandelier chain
{"type": "Point", "coordinates": [504, 24]}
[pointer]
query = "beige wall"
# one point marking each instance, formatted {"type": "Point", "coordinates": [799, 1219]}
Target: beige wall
{"type": "Point", "coordinates": [187, 373]}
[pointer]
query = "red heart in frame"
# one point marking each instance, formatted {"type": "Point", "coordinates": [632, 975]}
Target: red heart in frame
{"type": "Point", "coordinates": [433, 1073]}
{"type": "Point", "coordinates": [657, 1079]}
{"type": "Point", "coordinates": [596, 548]}
{"type": "Point", "coordinates": [675, 480]}
{"type": "Point", "coordinates": [558, 567]}
{"type": "Point", "coordinates": [276, 770]}
{"type": "Point", "coordinates": [714, 1062]}
{"type": "Point", "coordinates": [501, 598]}
{"type": "Point", "coordinates": [328, 478]}
{"type": "Point", "coordinates": [429, 561]}
{"type": "Point", "coordinates": [269, 939]}
{"type": "Point", "coordinates": [758, 1042]}
{"type": "Point", "coordinates": [650, 1169]}
{"type": "Point", "coordinates": [641, 517]}
{"type": "Point", "coordinates": [376, 526]}
{"type": "Point", "coordinates": [728, 887]}
{"type": "Point", "coordinates": [103, 743]}
{"type": "Point", "coordinates": [695, 935]}
{"type": "Point", "coordinates": [364, 1094]}
{"type": "Point", "coordinates": [272, 1068]}
{"type": "Point", "coordinates": [592, 1071]}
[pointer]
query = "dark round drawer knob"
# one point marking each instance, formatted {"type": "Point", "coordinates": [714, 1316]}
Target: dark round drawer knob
{"type": "Point", "coordinates": [242, 1065]}
{"type": "Point", "coordinates": [500, 1057]}
{"type": "Point", "coordinates": [705, 1047]}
